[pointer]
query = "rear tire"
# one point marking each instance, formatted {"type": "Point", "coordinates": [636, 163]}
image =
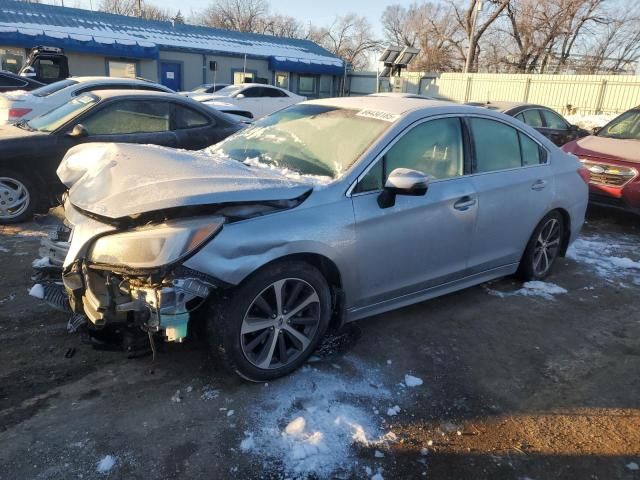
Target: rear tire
{"type": "Point", "coordinates": [543, 248]}
{"type": "Point", "coordinates": [18, 197]}
{"type": "Point", "coordinates": [260, 334]}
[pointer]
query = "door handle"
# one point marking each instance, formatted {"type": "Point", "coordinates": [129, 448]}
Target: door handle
{"type": "Point", "coordinates": [539, 185]}
{"type": "Point", "coordinates": [465, 203]}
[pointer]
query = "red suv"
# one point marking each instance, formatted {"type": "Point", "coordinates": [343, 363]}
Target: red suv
{"type": "Point", "coordinates": [612, 156]}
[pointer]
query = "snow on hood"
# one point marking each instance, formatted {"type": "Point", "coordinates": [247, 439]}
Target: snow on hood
{"type": "Point", "coordinates": [608, 148]}
{"type": "Point", "coordinates": [119, 180]}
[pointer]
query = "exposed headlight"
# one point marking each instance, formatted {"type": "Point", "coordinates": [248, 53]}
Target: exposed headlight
{"type": "Point", "coordinates": [154, 246]}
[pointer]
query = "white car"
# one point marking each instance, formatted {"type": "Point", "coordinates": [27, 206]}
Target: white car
{"type": "Point", "coordinates": [204, 89]}
{"type": "Point", "coordinates": [21, 105]}
{"type": "Point", "coordinates": [257, 98]}
{"type": "Point", "coordinates": [235, 112]}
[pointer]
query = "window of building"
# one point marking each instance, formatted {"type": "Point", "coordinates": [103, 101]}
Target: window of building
{"type": "Point", "coordinates": [243, 77]}
{"type": "Point", "coordinates": [11, 59]}
{"type": "Point", "coordinates": [307, 85]}
{"type": "Point", "coordinates": [282, 80]}
{"type": "Point", "coordinates": [124, 69]}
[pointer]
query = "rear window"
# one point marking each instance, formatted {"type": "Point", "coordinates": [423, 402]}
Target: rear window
{"type": "Point", "coordinates": [53, 87]}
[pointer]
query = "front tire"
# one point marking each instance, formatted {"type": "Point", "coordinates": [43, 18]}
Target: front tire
{"type": "Point", "coordinates": [269, 325]}
{"type": "Point", "coordinates": [18, 197]}
{"type": "Point", "coordinates": [543, 248]}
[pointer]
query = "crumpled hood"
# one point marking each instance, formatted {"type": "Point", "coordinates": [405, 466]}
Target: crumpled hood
{"type": "Point", "coordinates": [606, 148]}
{"type": "Point", "coordinates": [120, 180]}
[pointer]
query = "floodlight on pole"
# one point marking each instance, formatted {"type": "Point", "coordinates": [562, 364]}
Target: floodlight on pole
{"type": "Point", "coordinates": [396, 58]}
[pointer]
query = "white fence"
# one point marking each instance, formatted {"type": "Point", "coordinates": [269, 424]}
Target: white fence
{"type": "Point", "coordinates": [584, 94]}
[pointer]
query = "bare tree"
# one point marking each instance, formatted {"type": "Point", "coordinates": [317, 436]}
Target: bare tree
{"type": "Point", "coordinates": [476, 24]}
{"type": "Point", "coordinates": [238, 15]}
{"type": "Point", "coordinates": [348, 37]}
{"type": "Point", "coordinates": [135, 8]}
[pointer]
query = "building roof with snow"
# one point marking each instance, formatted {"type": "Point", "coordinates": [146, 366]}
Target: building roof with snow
{"type": "Point", "coordinates": [29, 24]}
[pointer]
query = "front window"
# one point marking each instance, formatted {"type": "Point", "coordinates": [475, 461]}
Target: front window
{"type": "Point", "coordinates": [59, 116]}
{"type": "Point", "coordinates": [626, 126]}
{"type": "Point", "coordinates": [306, 139]}
{"type": "Point", "coordinates": [129, 116]}
{"type": "Point", "coordinates": [53, 88]}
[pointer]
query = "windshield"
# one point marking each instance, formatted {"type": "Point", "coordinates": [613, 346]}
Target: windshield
{"type": "Point", "coordinates": [59, 116]}
{"type": "Point", "coordinates": [626, 126]}
{"type": "Point", "coordinates": [308, 139]}
{"type": "Point", "coordinates": [53, 88]}
{"type": "Point", "coordinates": [229, 90]}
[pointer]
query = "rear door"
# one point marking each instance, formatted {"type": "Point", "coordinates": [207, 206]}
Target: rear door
{"type": "Point", "coordinates": [514, 184]}
{"type": "Point", "coordinates": [194, 129]}
{"type": "Point", "coordinates": [131, 121]}
{"type": "Point", "coordinates": [421, 241]}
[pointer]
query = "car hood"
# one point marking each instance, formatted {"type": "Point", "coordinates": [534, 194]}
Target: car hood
{"type": "Point", "coordinates": [117, 181]}
{"type": "Point", "coordinates": [606, 148]}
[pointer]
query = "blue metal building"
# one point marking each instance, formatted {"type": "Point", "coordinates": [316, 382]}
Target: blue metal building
{"type": "Point", "coordinates": [177, 55]}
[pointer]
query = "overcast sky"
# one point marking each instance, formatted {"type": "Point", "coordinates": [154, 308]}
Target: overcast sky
{"type": "Point", "coordinates": [318, 12]}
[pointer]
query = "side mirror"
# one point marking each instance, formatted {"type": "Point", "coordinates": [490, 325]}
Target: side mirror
{"type": "Point", "coordinates": [403, 181]}
{"type": "Point", "coordinates": [573, 128]}
{"type": "Point", "coordinates": [79, 131]}
{"type": "Point", "coordinates": [240, 95]}
{"type": "Point", "coordinates": [595, 130]}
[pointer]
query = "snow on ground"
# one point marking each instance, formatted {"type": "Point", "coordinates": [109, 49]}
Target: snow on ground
{"type": "Point", "coordinates": [43, 262]}
{"type": "Point", "coordinates": [546, 290]}
{"type": "Point", "coordinates": [411, 381]}
{"type": "Point", "coordinates": [315, 420]}
{"type": "Point", "coordinates": [37, 291]}
{"type": "Point", "coordinates": [4, 250]}
{"type": "Point", "coordinates": [106, 464]}
{"type": "Point", "coordinates": [612, 257]}
{"type": "Point", "coordinates": [589, 122]}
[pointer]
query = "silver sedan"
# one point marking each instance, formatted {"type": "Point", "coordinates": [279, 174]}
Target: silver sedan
{"type": "Point", "coordinates": [327, 212]}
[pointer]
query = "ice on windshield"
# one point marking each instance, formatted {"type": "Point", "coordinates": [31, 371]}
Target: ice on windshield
{"type": "Point", "coordinates": [314, 140]}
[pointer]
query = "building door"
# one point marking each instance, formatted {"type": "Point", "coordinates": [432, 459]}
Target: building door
{"type": "Point", "coordinates": [171, 75]}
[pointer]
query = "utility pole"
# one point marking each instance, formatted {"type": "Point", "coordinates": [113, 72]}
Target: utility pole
{"type": "Point", "coordinates": [477, 6]}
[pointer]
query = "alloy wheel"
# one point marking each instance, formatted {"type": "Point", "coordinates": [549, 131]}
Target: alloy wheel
{"type": "Point", "coordinates": [546, 247]}
{"type": "Point", "coordinates": [280, 323]}
{"type": "Point", "coordinates": [14, 198]}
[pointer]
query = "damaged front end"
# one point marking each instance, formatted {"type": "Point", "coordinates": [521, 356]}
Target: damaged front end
{"type": "Point", "coordinates": [154, 303]}
{"type": "Point", "coordinates": [135, 277]}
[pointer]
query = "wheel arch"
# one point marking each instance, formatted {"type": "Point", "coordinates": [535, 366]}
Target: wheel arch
{"type": "Point", "coordinates": [329, 271]}
{"type": "Point", "coordinates": [566, 234]}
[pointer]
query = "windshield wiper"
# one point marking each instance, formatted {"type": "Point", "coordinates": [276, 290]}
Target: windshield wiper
{"type": "Point", "coordinates": [23, 124]}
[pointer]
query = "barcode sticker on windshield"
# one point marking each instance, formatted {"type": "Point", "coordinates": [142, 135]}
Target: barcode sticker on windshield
{"type": "Point", "coordinates": [378, 114]}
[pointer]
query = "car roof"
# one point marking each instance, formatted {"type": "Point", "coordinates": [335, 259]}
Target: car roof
{"type": "Point", "coordinates": [111, 80]}
{"type": "Point", "coordinates": [137, 93]}
{"type": "Point", "coordinates": [401, 95]}
{"type": "Point", "coordinates": [503, 106]}
{"type": "Point", "coordinates": [389, 104]}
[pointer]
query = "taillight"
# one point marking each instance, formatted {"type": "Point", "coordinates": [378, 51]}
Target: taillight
{"type": "Point", "coordinates": [585, 174]}
{"type": "Point", "coordinates": [18, 112]}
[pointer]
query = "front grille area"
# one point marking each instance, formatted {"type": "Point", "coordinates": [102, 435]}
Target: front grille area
{"type": "Point", "coordinates": [609, 175]}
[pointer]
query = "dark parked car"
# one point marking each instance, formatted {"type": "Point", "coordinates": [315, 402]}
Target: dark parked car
{"type": "Point", "coordinates": [30, 151]}
{"type": "Point", "coordinates": [547, 121]}
{"type": "Point", "coordinates": [612, 155]}
{"type": "Point", "coordinates": [10, 82]}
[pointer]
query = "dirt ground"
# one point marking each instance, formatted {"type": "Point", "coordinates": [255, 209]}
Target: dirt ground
{"type": "Point", "coordinates": [516, 386]}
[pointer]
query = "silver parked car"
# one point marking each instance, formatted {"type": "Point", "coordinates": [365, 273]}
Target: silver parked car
{"type": "Point", "coordinates": [329, 211]}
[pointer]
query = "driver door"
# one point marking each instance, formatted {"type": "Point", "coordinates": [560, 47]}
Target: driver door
{"type": "Point", "coordinates": [252, 101]}
{"type": "Point", "coordinates": [422, 241]}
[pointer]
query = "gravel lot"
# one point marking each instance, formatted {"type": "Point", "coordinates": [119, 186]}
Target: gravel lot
{"type": "Point", "coordinates": [518, 383]}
